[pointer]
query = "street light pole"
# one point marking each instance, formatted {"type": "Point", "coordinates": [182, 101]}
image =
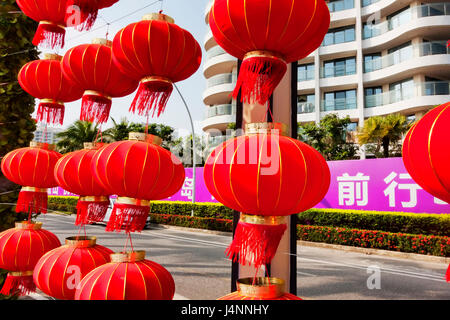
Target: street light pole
{"type": "Point", "coordinates": [194, 156]}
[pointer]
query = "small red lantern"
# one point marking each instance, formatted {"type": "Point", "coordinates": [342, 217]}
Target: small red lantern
{"type": "Point", "coordinates": [260, 289]}
{"type": "Point", "coordinates": [60, 271]}
{"type": "Point", "coordinates": [267, 177]}
{"type": "Point", "coordinates": [157, 53]}
{"type": "Point", "coordinates": [267, 35]}
{"type": "Point", "coordinates": [138, 170]}
{"type": "Point", "coordinates": [33, 169]}
{"type": "Point", "coordinates": [44, 80]}
{"type": "Point", "coordinates": [129, 276]}
{"type": "Point", "coordinates": [51, 17]}
{"type": "Point", "coordinates": [73, 173]}
{"type": "Point", "coordinates": [88, 9]}
{"type": "Point", "coordinates": [20, 250]}
{"type": "Point", "coordinates": [92, 68]}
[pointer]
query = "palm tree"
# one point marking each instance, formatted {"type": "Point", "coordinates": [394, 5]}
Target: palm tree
{"type": "Point", "coordinates": [75, 136]}
{"type": "Point", "coordinates": [383, 131]}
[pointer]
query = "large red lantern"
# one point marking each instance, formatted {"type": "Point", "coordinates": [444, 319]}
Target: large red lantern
{"type": "Point", "coordinates": [60, 271]}
{"type": "Point", "coordinates": [45, 80]}
{"type": "Point", "coordinates": [20, 250]}
{"type": "Point", "coordinates": [137, 171]}
{"type": "Point", "coordinates": [266, 176]}
{"type": "Point", "coordinates": [88, 10]}
{"type": "Point", "coordinates": [51, 15]}
{"type": "Point", "coordinates": [73, 173]}
{"type": "Point", "coordinates": [267, 35]}
{"type": "Point", "coordinates": [92, 68]}
{"type": "Point", "coordinates": [157, 53]}
{"type": "Point", "coordinates": [33, 169]}
{"type": "Point", "coordinates": [129, 276]}
{"type": "Point", "coordinates": [426, 151]}
{"type": "Point", "coordinates": [260, 289]}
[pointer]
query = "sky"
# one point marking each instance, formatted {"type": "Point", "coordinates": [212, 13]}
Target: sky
{"type": "Point", "coordinates": [189, 15]}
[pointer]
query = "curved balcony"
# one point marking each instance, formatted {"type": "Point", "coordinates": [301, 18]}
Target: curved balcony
{"type": "Point", "coordinates": [219, 89]}
{"type": "Point", "coordinates": [209, 40]}
{"type": "Point", "coordinates": [421, 21]}
{"type": "Point", "coordinates": [219, 116]}
{"type": "Point", "coordinates": [430, 57]}
{"type": "Point", "coordinates": [422, 97]}
{"type": "Point", "coordinates": [207, 9]}
{"type": "Point", "coordinates": [220, 62]}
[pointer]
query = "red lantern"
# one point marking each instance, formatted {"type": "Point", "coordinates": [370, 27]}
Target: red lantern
{"type": "Point", "coordinates": [73, 173]}
{"type": "Point", "coordinates": [51, 17]}
{"type": "Point", "coordinates": [88, 9]}
{"type": "Point", "coordinates": [127, 277]}
{"type": "Point", "coordinates": [44, 80]}
{"type": "Point", "coordinates": [137, 171]}
{"type": "Point", "coordinates": [260, 289]}
{"type": "Point", "coordinates": [92, 68]}
{"type": "Point", "coordinates": [33, 169]}
{"type": "Point", "coordinates": [267, 35]}
{"type": "Point", "coordinates": [20, 250]}
{"type": "Point", "coordinates": [157, 53]}
{"type": "Point", "coordinates": [61, 270]}
{"type": "Point", "coordinates": [266, 176]}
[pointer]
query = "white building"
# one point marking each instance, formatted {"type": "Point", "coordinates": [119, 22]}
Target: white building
{"type": "Point", "coordinates": [379, 57]}
{"type": "Point", "coordinates": [46, 136]}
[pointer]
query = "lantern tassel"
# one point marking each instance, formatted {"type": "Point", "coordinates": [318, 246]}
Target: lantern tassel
{"type": "Point", "coordinates": [88, 10]}
{"type": "Point", "coordinates": [91, 212]}
{"type": "Point", "coordinates": [21, 284]}
{"type": "Point", "coordinates": [95, 108]}
{"type": "Point", "coordinates": [32, 201]}
{"type": "Point", "coordinates": [51, 112]}
{"type": "Point", "coordinates": [130, 218]}
{"type": "Point", "coordinates": [152, 96]}
{"type": "Point", "coordinates": [49, 35]}
{"type": "Point", "coordinates": [255, 244]}
{"type": "Point", "coordinates": [258, 78]}
{"type": "Point", "coordinates": [447, 276]}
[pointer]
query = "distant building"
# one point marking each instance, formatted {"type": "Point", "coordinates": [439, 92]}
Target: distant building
{"type": "Point", "coordinates": [46, 136]}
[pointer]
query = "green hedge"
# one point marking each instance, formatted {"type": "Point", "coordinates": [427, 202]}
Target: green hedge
{"type": "Point", "coordinates": [193, 222]}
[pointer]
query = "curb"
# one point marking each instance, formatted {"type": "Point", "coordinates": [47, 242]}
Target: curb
{"type": "Point", "coordinates": [368, 251]}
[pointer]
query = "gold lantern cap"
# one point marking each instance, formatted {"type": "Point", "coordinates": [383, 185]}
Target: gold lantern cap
{"type": "Point", "coordinates": [42, 145]}
{"type": "Point", "coordinates": [102, 41]}
{"type": "Point", "coordinates": [149, 138]}
{"type": "Point", "coordinates": [26, 225]}
{"type": "Point", "coordinates": [158, 16]}
{"type": "Point", "coordinates": [81, 241]}
{"type": "Point", "coordinates": [93, 145]}
{"type": "Point", "coordinates": [52, 56]}
{"type": "Point", "coordinates": [263, 288]}
{"type": "Point", "coordinates": [132, 256]}
{"type": "Point", "coordinates": [266, 128]}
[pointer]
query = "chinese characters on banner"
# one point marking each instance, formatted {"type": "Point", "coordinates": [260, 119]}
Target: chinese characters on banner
{"type": "Point", "coordinates": [374, 184]}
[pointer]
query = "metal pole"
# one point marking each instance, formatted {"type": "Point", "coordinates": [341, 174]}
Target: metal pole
{"type": "Point", "coordinates": [194, 156]}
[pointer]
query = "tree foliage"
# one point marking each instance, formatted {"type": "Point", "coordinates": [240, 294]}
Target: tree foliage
{"type": "Point", "coordinates": [16, 106]}
{"type": "Point", "coordinates": [74, 137]}
{"type": "Point", "coordinates": [329, 137]}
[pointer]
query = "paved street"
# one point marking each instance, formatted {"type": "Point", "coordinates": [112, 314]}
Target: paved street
{"type": "Point", "coordinates": [201, 271]}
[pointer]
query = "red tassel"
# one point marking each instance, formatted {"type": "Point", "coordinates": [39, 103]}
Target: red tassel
{"type": "Point", "coordinates": [88, 10]}
{"type": "Point", "coordinates": [152, 95]}
{"type": "Point", "coordinates": [18, 284]}
{"type": "Point", "coordinates": [95, 108]}
{"type": "Point", "coordinates": [91, 211]}
{"type": "Point", "coordinates": [51, 112]}
{"type": "Point", "coordinates": [255, 244]}
{"type": "Point", "coordinates": [130, 218]}
{"type": "Point", "coordinates": [49, 35]}
{"type": "Point", "coordinates": [258, 78]}
{"type": "Point", "coordinates": [447, 276]}
{"type": "Point", "coordinates": [33, 201]}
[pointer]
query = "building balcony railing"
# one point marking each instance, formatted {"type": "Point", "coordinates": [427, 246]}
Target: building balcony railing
{"type": "Point", "coordinates": [407, 53]}
{"type": "Point", "coordinates": [219, 79]}
{"type": "Point", "coordinates": [214, 52]}
{"type": "Point", "coordinates": [337, 71]}
{"type": "Point", "coordinates": [220, 110]}
{"type": "Point", "coordinates": [338, 104]}
{"type": "Point", "coordinates": [365, 3]}
{"type": "Point", "coordinates": [306, 107]}
{"type": "Point", "coordinates": [425, 10]}
{"type": "Point", "coordinates": [420, 90]}
{"type": "Point", "coordinates": [305, 75]}
{"type": "Point", "coordinates": [341, 5]}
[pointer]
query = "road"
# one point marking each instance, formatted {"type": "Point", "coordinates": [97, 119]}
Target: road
{"type": "Point", "coordinates": [201, 271]}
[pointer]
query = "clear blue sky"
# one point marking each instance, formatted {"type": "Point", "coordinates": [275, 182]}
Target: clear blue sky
{"type": "Point", "coordinates": [188, 14]}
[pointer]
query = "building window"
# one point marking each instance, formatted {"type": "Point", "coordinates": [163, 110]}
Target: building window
{"type": "Point", "coordinates": [433, 87]}
{"type": "Point", "coordinates": [402, 90]}
{"type": "Point", "coordinates": [339, 5]}
{"type": "Point", "coordinates": [306, 72]}
{"type": "Point", "coordinates": [366, 3]}
{"type": "Point", "coordinates": [340, 100]}
{"type": "Point", "coordinates": [400, 53]}
{"type": "Point", "coordinates": [398, 18]}
{"type": "Point", "coordinates": [372, 62]}
{"type": "Point", "coordinates": [373, 97]}
{"type": "Point", "coordinates": [339, 35]}
{"type": "Point", "coordinates": [339, 67]}
{"type": "Point", "coordinates": [306, 103]}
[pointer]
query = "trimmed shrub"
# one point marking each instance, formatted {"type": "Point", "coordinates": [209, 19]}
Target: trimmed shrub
{"type": "Point", "coordinates": [193, 222]}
